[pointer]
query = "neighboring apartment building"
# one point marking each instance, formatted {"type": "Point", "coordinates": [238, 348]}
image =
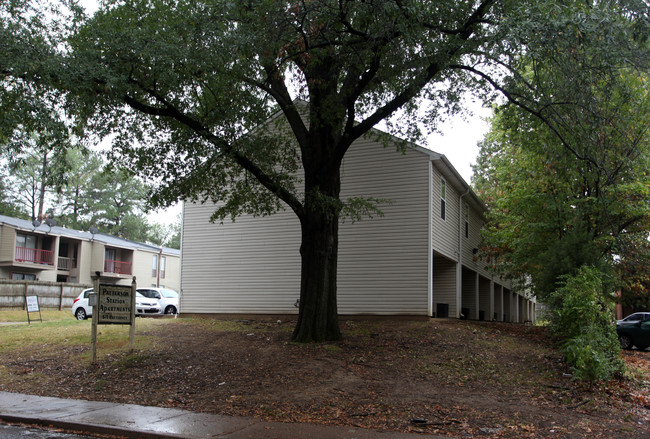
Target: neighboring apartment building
{"type": "Point", "coordinates": [417, 259]}
{"type": "Point", "coordinates": [33, 251]}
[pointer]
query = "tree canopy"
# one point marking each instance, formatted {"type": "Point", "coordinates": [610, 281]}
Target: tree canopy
{"type": "Point", "coordinates": [557, 204]}
{"type": "Point", "coordinates": [185, 86]}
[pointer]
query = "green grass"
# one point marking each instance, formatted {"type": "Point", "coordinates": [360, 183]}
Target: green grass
{"type": "Point", "coordinates": [20, 315]}
{"type": "Point", "coordinates": [60, 329]}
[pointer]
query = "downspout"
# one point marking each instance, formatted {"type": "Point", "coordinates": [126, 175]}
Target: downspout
{"type": "Point", "coordinates": [459, 269]}
{"type": "Point", "coordinates": [430, 244]}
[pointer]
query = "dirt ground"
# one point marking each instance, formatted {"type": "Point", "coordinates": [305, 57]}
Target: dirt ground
{"type": "Point", "coordinates": [447, 377]}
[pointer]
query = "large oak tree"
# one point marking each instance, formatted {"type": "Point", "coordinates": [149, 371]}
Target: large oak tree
{"type": "Point", "coordinates": [185, 86]}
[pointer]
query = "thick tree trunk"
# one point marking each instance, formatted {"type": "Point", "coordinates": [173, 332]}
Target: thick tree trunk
{"type": "Point", "coordinates": [318, 317]}
{"type": "Point", "coordinates": [318, 312]}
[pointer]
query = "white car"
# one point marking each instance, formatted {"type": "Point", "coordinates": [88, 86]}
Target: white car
{"type": "Point", "coordinates": [168, 299]}
{"type": "Point", "coordinates": [80, 308]}
{"type": "Point", "coordinates": [143, 305]}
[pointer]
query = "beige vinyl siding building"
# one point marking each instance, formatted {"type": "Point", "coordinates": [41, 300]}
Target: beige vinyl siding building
{"type": "Point", "coordinates": [57, 254]}
{"type": "Point", "coordinates": [410, 261]}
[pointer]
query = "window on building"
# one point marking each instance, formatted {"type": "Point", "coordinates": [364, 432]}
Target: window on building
{"type": "Point", "coordinates": [23, 276]}
{"type": "Point", "coordinates": [109, 260]}
{"type": "Point", "coordinates": [154, 266]}
{"type": "Point", "coordinates": [25, 241]}
{"type": "Point", "coordinates": [25, 248]}
{"type": "Point", "coordinates": [162, 266]}
{"type": "Point", "coordinates": [466, 216]}
{"type": "Point", "coordinates": [443, 198]}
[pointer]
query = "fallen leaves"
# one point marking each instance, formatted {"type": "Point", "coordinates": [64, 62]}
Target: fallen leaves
{"type": "Point", "coordinates": [458, 378]}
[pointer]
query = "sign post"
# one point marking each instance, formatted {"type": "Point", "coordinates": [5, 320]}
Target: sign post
{"type": "Point", "coordinates": [113, 305]}
{"type": "Point", "coordinates": [132, 328]}
{"type": "Point", "coordinates": [92, 301]}
{"type": "Point", "coordinates": [31, 303]}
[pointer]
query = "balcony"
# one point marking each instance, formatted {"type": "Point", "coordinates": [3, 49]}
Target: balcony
{"type": "Point", "coordinates": [117, 267]}
{"type": "Point", "coordinates": [66, 264]}
{"type": "Point", "coordinates": [34, 256]}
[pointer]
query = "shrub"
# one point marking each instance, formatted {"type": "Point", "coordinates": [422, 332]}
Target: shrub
{"type": "Point", "coordinates": [582, 318]}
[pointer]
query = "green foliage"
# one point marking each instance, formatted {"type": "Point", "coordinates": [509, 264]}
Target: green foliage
{"type": "Point", "coordinates": [166, 235]}
{"type": "Point", "coordinates": [36, 172]}
{"type": "Point", "coordinates": [7, 206]}
{"type": "Point", "coordinates": [633, 269]}
{"type": "Point", "coordinates": [560, 201]}
{"type": "Point", "coordinates": [75, 201]}
{"type": "Point", "coordinates": [185, 87]}
{"type": "Point", "coordinates": [582, 317]}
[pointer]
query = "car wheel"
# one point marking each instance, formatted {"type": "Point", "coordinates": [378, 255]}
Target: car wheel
{"type": "Point", "coordinates": [170, 310]}
{"type": "Point", "coordinates": [625, 341]}
{"type": "Point", "coordinates": [80, 313]}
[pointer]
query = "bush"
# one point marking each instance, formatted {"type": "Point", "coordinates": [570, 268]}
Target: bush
{"type": "Point", "coordinates": [582, 318]}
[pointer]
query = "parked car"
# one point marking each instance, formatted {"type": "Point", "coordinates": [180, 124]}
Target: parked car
{"type": "Point", "coordinates": [634, 318]}
{"type": "Point", "coordinates": [80, 308]}
{"type": "Point", "coordinates": [146, 306]}
{"type": "Point", "coordinates": [168, 299]}
{"type": "Point", "coordinates": [143, 305]}
{"type": "Point", "coordinates": [634, 334]}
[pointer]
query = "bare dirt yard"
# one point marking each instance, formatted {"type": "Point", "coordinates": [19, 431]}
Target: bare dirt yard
{"type": "Point", "coordinates": [447, 377]}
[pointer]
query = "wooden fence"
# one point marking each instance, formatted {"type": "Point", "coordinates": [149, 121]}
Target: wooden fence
{"type": "Point", "coordinates": [50, 294]}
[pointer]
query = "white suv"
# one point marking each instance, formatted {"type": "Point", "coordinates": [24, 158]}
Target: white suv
{"type": "Point", "coordinates": [168, 299]}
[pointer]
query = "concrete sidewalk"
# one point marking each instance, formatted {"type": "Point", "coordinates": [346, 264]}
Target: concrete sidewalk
{"type": "Point", "coordinates": [135, 421]}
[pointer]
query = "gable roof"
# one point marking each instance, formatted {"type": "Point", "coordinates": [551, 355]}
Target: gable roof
{"type": "Point", "coordinates": [104, 238]}
{"type": "Point", "coordinates": [440, 161]}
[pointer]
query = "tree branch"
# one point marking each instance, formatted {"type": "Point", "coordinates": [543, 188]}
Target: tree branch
{"type": "Point", "coordinates": [435, 67]}
{"type": "Point", "coordinates": [264, 178]}
{"type": "Point", "coordinates": [511, 98]}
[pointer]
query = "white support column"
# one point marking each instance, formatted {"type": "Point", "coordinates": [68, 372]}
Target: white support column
{"type": "Point", "coordinates": [459, 289]}
{"type": "Point", "coordinates": [491, 308]}
{"type": "Point", "coordinates": [517, 307]}
{"type": "Point", "coordinates": [477, 295]}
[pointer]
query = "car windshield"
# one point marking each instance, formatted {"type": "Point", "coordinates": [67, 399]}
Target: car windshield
{"type": "Point", "coordinates": [632, 317]}
{"type": "Point", "coordinates": [149, 293]}
{"type": "Point", "coordinates": [170, 294]}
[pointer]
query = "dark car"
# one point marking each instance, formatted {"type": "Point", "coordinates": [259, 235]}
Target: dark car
{"type": "Point", "coordinates": [636, 334]}
{"type": "Point", "coordinates": [634, 318]}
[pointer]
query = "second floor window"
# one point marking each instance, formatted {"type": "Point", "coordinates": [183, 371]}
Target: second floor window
{"type": "Point", "coordinates": [466, 215]}
{"type": "Point", "coordinates": [25, 241]}
{"type": "Point", "coordinates": [154, 266]}
{"type": "Point", "coordinates": [162, 267]}
{"type": "Point", "coordinates": [443, 199]}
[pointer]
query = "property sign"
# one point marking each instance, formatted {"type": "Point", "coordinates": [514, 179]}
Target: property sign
{"type": "Point", "coordinates": [114, 303]}
{"type": "Point", "coordinates": [32, 303]}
